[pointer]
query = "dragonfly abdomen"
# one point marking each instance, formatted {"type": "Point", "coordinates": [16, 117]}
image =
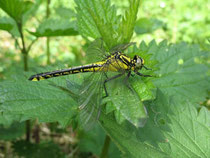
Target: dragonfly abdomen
{"type": "Point", "coordinates": [73, 70]}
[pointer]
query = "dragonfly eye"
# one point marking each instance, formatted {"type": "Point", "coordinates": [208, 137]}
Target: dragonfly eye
{"type": "Point", "coordinates": [139, 62]}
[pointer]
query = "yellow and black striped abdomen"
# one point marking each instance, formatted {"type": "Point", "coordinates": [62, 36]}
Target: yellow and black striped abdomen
{"type": "Point", "coordinates": [79, 69]}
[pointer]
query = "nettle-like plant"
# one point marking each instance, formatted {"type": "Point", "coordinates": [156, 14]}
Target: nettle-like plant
{"type": "Point", "coordinates": [177, 126]}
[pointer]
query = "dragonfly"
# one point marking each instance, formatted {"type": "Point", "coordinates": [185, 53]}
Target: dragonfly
{"type": "Point", "coordinates": [91, 95]}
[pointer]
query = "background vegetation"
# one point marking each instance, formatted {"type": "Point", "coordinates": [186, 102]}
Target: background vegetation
{"type": "Point", "coordinates": [40, 120]}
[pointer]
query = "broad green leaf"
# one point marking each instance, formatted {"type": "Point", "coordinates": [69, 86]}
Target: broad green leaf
{"type": "Point", "coordinates": [41, 150]}
{"type": "Point", "coordinates": [56, 27]}
{"type": "Point", "coordinates": [127, 104]}
{"type": "Point", "coordinates": [9, 25]}
{"type": "Point", "coordinates": [36, 100]}
{"type": "Point", "coordinates": [174, 130]}
{"type": "Point", "coordinates": [190, 131]}
{"type": "Point", "coordinates": [12, 132]}
{"type": "Point", "coordinates": [142, 142]}
{"type": "Point", "coordinates": [125, 138]}
{"type": "Point", "coordinates": [145, 25]}
{"type": "Point", "coordinates": [126, 27]}
{"type": "Point", "coordinates": [66, 13]}
{"type": "Point", "coordinates": [31, 12]}
{"type": "Point", "coordinates": [98, 19]}
{"type": "Point", "coordinates": [145, 88]}
{"type": "Point", "coordinates": [181, 73]}
{"type": "Point", "coordinates": [15, 8]}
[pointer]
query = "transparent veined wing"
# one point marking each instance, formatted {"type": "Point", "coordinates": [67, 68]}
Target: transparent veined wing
{"type": "Point", "coordinates": [96, 51]}
{"type": "Point", "coordinates": [90, 99]}
{"type": "Point", "coordinates": [121, 47]}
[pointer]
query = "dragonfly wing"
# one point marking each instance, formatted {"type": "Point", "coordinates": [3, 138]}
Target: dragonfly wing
{"type": "Point", "coordinates": [121, 47]}
{"type": "Point", "coordinates": [96, 51]}
{"type": "Point", "coordinates": [90, 100]}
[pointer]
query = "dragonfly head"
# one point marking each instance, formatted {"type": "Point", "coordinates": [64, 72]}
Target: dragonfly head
{"type": "Point", "coordinates": [139, 62]}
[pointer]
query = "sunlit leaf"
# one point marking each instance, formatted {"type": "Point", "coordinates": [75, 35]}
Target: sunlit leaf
{"type": "Point", "coordinates": [127, 103]}
{"type": "Point", "coordinates": [145, 25]}
{"type": "Point", "coordinates": [16, 8]}
{"type": "Point", "coordinates": [36, 100]}
{"type": "Point", "coordinates": [98, 19]}
{"type": "Point", "coordinates": [66, 13]}
{"type": "Point", "coordinates": [181, 73]}
{"type": "Point", "coordinates": [9, 25]}
{"type": "Point", "coordinates": [56, 27]}
{"type": "Point", "coordinates": [126, 27]}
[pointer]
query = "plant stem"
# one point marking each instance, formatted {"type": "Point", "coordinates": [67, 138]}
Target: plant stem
{"type": "Point", "coordinates": [48, 9]}
{"type": "Point", "coordinates": [23, 49]}
{"type": "Point", "coordinates": [105, 149]}
{"type": "Point", "coordinates": [28, 130]}
{"type": "Point", "coordinates": [48, 39]}
{"type": "Point", "coordinates": [25, 61]}
{"type": "Point", "coordinates": [48, 50]}
{"type": "Point", "coordinates": [36, 133]}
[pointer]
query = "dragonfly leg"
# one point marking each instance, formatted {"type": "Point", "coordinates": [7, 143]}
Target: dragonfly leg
{"type": "Point", "coordinates": [126, 80]}
{"type": "Point", "coordinates": [109, 79]}
{"type": "Point", "coordinates": [140, 74]}
{"type": "Point", "coordinates": [128, 75]}
{"type": "Point", "coordinates": [147, 68]}
{"type": "Point", "coordinates": [132, 75]}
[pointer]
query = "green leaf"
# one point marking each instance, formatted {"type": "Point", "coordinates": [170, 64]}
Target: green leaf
{"type": "Point", "coordinates": [12, 132]}
{"type": "Point", "coordinates": [9, 25]}
{"type": "Point", "coordinates": [147, 90]}
{"type": "Point", "coordinates": [126, 28]}
{"type": "Point", "coordinates": [56, 27]}
{"type": "Point", "coordinates": [98, 19]}
{"type": "Point", "coordinates": [190, 136]}
{"type": "Point", "coordinates": [142, 142]}
{"type": "Point", "coordinates": [125, 138]}
{"type": "Point", "coordinates": [145, 25]}
{"type": "Point", "coordinates": [181, 72]}
{"type": "Point", "coordinates": [33, 100]}
{"type": "Point", "coordinates": [31, 12]}
{"type": "Point", "coordinates": [172, 130]}
{"type": "Point", "coordinates": [122, 97]}
{"type": "Point", "coordinates": [66, 13]}
{"type": "Point", "coordinates": [5, 24]}
{"type": "Point", "coordinates": [42, 150]}
{"type": "Point", "coordinates": [15, 8]}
